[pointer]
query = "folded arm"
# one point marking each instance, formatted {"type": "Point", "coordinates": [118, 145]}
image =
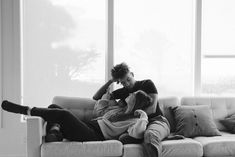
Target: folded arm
{"type": "Point", "coordinates": [137, 130]}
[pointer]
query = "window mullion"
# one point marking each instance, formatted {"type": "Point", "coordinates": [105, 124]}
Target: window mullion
{"type": "Point", "coordinates": [110, 35]}
{"type": "Point", "coordinates": [198, 35]}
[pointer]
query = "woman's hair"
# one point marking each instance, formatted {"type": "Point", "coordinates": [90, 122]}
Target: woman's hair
{"type": "Point", "coordinates": [143, 100]}
{"type": "Point", "coordinates": [120, 70]}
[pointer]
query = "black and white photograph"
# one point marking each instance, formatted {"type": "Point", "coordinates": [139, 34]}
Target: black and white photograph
{"type": "Point", "coordinates": [117, 78]}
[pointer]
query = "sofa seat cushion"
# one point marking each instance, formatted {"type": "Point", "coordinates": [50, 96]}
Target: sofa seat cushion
{"type": "Point", "coordinates": [74, 149]}
{"type": "Point", "coordinates": [218, 145]}
{"type": "Point", "coordinates": [177, 148]}
{"type": "Point", "coordinates": [133, 150]}
{"type": "Point", "coordinates": [170, 148]}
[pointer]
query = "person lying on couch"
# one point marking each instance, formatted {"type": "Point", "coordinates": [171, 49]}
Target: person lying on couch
{"type": "Point", "coordinates": [132, 119]}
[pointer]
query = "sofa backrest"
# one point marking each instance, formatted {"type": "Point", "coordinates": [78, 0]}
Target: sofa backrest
{"type": "Point", "coordinates": [165, 104]}
{"type": "Point", "coordinates": [81, 107]}
{"type": "Point", "coordinates": [221, 106]}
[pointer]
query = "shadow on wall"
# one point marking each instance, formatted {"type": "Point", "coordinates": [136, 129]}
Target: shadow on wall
{"type": "Point", "coordinates": [51, 66]}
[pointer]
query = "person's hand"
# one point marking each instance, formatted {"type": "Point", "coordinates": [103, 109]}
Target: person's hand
{"type": "Point", "coordinates": [115, 80]}
{"type": "Point", "coordinates": [141, 113]}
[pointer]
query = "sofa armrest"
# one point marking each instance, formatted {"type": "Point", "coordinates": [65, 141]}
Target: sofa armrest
{"type": "Point", "coordinates": [35, 133]}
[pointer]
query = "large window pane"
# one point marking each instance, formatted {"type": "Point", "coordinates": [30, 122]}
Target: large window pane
{"type": "Point", "coordinates": [154, 38]}
{"type": "Point", "coordinates": [218, 27]}
{"type": "Point", "coordinates": [218, 77]}
{"type": "Point", "coordinates": [218, 48]}
{"type": "Point", "coordinates": [63, 49]}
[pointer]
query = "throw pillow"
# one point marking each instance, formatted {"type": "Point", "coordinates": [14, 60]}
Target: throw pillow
{"type": "Point", "coordinates": [229, 123]}
{"type": "Point", "coordinates": [192, 121]}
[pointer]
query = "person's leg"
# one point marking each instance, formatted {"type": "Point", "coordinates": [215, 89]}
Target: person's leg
{"type": "Point", "coordinates": [53, 133]}
{"type": "Point", "coordinates": [156, 131]}
{"type": "Point", "coordinates": [72, 128]}
{"type": "Point", "coordinates": [127, 139]}
{"type": "Point", "coordinates": [53, 126]}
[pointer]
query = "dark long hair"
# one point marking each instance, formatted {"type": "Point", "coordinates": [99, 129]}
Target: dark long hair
{"type": "Point", "coordinates": [143, 101]}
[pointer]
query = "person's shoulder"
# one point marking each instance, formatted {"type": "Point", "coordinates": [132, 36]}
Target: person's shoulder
{"type": "Point", "coordinates": [147, 81]}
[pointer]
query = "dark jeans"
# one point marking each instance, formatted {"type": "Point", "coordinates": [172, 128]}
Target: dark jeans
{"type": "Point", "coordinates": [72, 127]}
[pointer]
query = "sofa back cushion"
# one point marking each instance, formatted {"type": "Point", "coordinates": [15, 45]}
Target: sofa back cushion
{"type": "Point", "coordinates": [221, 107]}
{"type": "Point", "coordinates": [81, 107]}
{"type": "Point", "coordinates": [165, 104]}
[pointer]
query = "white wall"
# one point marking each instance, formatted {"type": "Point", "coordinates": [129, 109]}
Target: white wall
{"type": "Point", "coordinates": [13, 131]}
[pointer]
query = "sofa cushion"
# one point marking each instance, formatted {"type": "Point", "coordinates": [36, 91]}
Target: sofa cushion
{"type": "Point", "coordinates": [218, 145]}
{"type": "Point", "coordinates": [133, 150]}
{"type": "Point", "coordinates": [221, 107]}
{"type": "Point", "coordinates": [75, 149]}
{"type": "Point", "coordinates": [170, 148]}
{"type": "Point", "coordinates": [178, 148]}
{"type": "Point", "coordinates": [81, 107]}
{"type": "Point", "coordinates": [192, 121]}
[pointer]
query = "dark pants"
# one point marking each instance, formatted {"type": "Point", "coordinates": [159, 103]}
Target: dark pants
{"type": "Point", "coordinates": [71, 127]}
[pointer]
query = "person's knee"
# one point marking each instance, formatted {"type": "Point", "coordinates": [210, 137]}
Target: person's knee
{"type": "Point", "coordinates": [54, 106]}
{"type": "Point", "coordinates": [151, 135]}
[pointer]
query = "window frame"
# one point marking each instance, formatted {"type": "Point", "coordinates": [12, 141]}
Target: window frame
{"type": "Point", "coordinates": [197, 47]}
{"type": "Point", "coordinates": [1, 67]}
{"type": "Point", "coordinates": [109, 60]}
{"type": "Point", "coordinates": [200, 55]}
{"type": "Point", "coordinates": [10, 40]}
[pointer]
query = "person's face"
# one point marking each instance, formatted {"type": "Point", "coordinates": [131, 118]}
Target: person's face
{"type": "Point", "coordinates": [130, 100]}
{"type": "Point", "coordinates": [128, 80]}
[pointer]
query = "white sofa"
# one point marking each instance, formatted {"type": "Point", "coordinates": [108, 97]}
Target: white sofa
{"type": "Point", "coordinates": [217, 146]}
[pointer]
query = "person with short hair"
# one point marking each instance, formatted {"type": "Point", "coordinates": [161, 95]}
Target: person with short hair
{"type": "Point", "coordinates": [121, 74]}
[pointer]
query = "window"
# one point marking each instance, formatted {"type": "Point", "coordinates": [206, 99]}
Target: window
{"type": "Point", "coordinates": [218, 49]}
{"type": "Point", "coordinates": [64, 45]}
{"type": "Point", "coordinates": [155, 39]}
{"type": "Point", "coordinates": [63, 49]}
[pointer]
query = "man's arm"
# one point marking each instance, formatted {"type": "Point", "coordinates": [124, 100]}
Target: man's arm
{"type": "Point", "coordinates": [151, 89]}
{"type": "Point", "coordinates": [102, 90]}
{"type": "Point", "coordinates": [152, 108]}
